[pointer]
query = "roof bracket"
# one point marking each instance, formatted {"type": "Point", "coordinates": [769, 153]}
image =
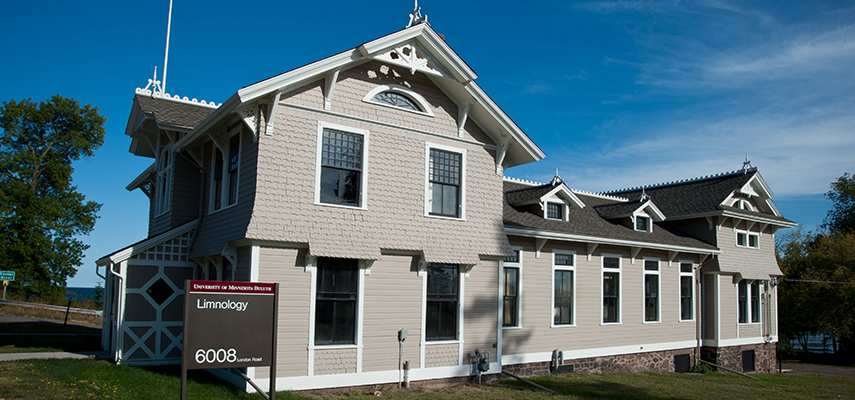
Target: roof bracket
{"type": "Point", "coordinates": [219, 143]}
{"type": "Point", "coordinates": [501, 152]}
{"type": "Point", "coordinates": [633, 251]}
{"type": "Point", "coordinates": [366, 265]}
{"type": "Point", "coordinates": [466, 269]}
{"type": "Point", "coordinates": [671, 256]}
{"type": "Point", "coordinates": [462, 115]}
{"type": "Point", "coordinates": [268, 126]}
{"type": "Point", "coordinates": [538, 244]}
{"type": "Point", "coordinates": [749, 225]}
{"type": "Point", "coordinates": [591, 248]}
{"type": "Point", "coordinates": [329, 87]}
{"type": "Point", "coordinates": [763, 228]}
{"type": "Point", "coordinates": [250, 118]}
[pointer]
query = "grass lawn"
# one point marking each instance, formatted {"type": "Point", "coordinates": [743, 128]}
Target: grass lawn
{"type": "Point", "coordinates": [93, 379]}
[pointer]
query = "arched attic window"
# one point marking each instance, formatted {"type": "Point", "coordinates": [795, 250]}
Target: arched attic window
{"type": "Point", "coordinates": [399, 97]}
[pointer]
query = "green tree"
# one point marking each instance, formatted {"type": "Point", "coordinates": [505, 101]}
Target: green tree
{"type": "Point", "coordinates": [42, 215]}
{"type": "Point", "coordinates": [841, 217]}
{"type": "Point", "coordinates": [98, 295]}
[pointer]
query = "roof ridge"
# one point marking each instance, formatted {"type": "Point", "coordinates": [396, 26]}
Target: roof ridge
{"type": "Point", "coordinates": [599, 195]}
{"type": "Point", "coordinates": [522, 181]}
{"type": "Point", "coordinates": [177, 98]}
{"type": "Point", "coordinates": [681, 181]}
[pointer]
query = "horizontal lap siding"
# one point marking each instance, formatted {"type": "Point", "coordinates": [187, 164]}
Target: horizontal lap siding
{"type": "Point", "coordinates": [480, 310]}
{"type": "Point", "coordinates": [727, 307]}
{"type": "Point", "coordinates": [393, 301]}
{"type": "Point", "coordinates": [286, 267]}
{"type": "Point", "coordinates": [537, 335]}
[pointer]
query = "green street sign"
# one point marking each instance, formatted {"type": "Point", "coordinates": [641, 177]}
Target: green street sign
{"type": "Point", "coordinates": [7, 275]}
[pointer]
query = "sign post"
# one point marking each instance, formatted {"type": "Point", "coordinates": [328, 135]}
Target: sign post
{"type": "Point", "coordinates": [229, 325]}
{"type": "Point", "coordinates": [6, 277]}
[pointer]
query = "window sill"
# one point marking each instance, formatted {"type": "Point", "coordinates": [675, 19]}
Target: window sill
{"type": "Point", "coordinates": [362, 208]}
{"type": "Point", "coordinates": [563, 326]}
{"type": "Point", "coordinates": [749, 323]}
{"type": "Point", "coordinates": [335, 346]}
{"type": "Point", "coordinates": [445, 217]}
{"type": "Point", "coordinates": [433, 342]}
{"type": "Point", "coordinates": [610, 323]}
{"type": "Point", "coordinates": [651, 322]}
{"type": "Point", "coordinates": [686, 320]}
{"type": "Point", "coordinates": [512, 328]}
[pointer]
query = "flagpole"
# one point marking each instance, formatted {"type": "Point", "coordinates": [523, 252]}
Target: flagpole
{"type": "Point", "coordinates": [166, 56]}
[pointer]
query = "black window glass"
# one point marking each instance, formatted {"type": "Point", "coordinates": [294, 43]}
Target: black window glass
{"type": "Point", "coordinates": [651, 297]}
{"type": "Point", "coordinates": [742, 306]}
{"type": "Point", "coordinates": [564, 259]}
{"type": "Point", "coordinates": [341, 167]}
{"type": "Point", "coordinates": [641, 223]}
{"type": "Point", "coordinates": [755, 302]}
{"type": "Point", "coordinates": [511, 297]}
{"type": "Point", "coordinates": [554, 211]}
{"type": "Point", "coordinates": [686, 311]}
{"type": "Point", "coordinates": [234, 158]}
{"type": "Point", "coordinates": [562, 312]}
{"type": "Point", "coordinates": [442, 297]}
{"type": "Point", "coordinates": [218, 178]}
{"type": "Point", "coordinates": [445, 178]}
{"type": "Point", "coordinates": [611, 296]}
{"type": "Point", "coordinates": [335, 301]}
{"type": "Point", "coordinates": [397, 100]}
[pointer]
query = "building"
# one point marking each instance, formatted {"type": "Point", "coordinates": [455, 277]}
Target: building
{"type": "Point", "coordinates": [375, 177]}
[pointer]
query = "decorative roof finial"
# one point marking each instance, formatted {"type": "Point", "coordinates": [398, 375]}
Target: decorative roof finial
{"type": "Point", "coordinates": [416, 16]}
{"type": "Point", "coordinates": [643, 196]}
{"type": "Point", "coordinates": [557, 179]}
{"type": "Point", "coordinates": [154, 84]}
{"type": "Point", "coordinates": [746, 165]}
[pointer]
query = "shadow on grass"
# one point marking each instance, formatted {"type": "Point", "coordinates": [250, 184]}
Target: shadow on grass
{"type": "Point", "coordinates": [589, 389]}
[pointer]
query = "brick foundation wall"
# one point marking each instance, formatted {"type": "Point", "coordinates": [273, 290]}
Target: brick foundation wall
{"type": "Point", "coordinates": [765, 356]}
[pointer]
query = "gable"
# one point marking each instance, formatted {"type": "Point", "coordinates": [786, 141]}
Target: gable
{"type": "Point", "coordinates": [412, 51]}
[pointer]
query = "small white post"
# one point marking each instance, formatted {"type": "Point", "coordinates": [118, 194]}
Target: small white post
{"type": "Point", "coordinates": [166, 56]}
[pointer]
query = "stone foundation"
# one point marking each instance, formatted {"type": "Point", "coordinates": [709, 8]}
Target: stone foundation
{"type": "Point", "coordinates": [656, 361]}
{"type": "Point", "coordinates": [765, 357]}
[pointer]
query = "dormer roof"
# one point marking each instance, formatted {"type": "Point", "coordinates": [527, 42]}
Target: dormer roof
{"type": "Point", "coordinates": [623, 210]}
{"type": "Point", "coordinates": [418, 48]}
{"type": "Point", "coordinates": [712, 196]}
{"type": "Point", "coordinates": [542, 193]}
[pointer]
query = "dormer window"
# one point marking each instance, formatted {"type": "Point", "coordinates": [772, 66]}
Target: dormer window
{"type": "Point", "coordinates": [743, 204]}
{"type": "Point", "coordinates": [555, 211]}
{"type": "Point", "coordinates": [396, 100]}
{"type": "Point", "coordinates": [642, 224]}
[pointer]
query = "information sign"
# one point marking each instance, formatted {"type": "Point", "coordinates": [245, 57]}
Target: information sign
{"type": "Point", "coordinates": [229, 325]}
{"type": "Point", "coordinates": [7, 275]}
{"type": "Point", "coordinates": [70, 295]}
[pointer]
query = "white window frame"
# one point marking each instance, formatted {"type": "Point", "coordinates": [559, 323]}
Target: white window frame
{"type": "Point", "coordinates": [428, 197]}
{"type": "Point", "coordinates": [402, 90]}
{"type": "Point", "coordinates": [682, 275]}
{"type": "Point", "coordinates": [164, 180]}
{"type": "Point", "coordinates": [363, 179]}
{"type": "Point", "coordinates": [635, 218]}
{"type": "Point", "coordinates": [519, 266]}
{"type": "Point", "coordinates": [749, 314]}
{"type": "Point", "coordinates": [645, 272]}
{"type": "Point", "coordinates": [748, 236]}
{"type": "Point", "coordinates": [572, 268]}
{"type": "Point", "coordinates": [460, 309]}
{"type": "Point", "coordinates": [564, 210]}
{"type": "Point", "coordinates": [619, 271]}
{"type": "Point", "coordinates": [224, 190]}
{"type": "Point", "coordinates": [743, 204]}
{"type": "Point", "coordinates": [312, 268]}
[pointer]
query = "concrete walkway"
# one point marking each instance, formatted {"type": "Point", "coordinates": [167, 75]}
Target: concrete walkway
{"type": "Point", "coordinates": [820, 369]}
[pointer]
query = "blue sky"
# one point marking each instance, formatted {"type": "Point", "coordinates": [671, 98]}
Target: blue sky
{"type": "Point", "coordinates": [616, 93]}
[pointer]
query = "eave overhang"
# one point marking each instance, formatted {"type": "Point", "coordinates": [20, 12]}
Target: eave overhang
{"type": "Point", "coordinates": [541, 234]}
{"type": "Point", "coordinates": [731, 214]}
{"type": "Point", "coordinates": [146, 244]}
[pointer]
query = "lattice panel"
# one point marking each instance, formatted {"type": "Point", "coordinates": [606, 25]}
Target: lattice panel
{"type": "Point", "coordinates": [176, 249]}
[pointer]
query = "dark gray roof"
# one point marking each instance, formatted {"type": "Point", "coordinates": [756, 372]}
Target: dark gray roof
{"type": "Point", "coordinates": [618, 209]}
{"type": "Point", "coordinates": [528, 193]}
{"type": "Point", "coordinates": [587, 222]}
{"type": "Point", "coordinates": [172, 112]}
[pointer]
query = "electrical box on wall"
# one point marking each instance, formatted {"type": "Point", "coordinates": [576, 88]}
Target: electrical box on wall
{"type": "Point", "coordinates": [402, 335]}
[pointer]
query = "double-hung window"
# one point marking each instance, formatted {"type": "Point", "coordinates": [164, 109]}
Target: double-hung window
{"type": "Point", "coordinates": [511, 291]}
{"type": "Point", "coordinates": [651, 290]}
{"type": "Point", "coordinates": [742, 301]}
{"type": "Point", "coordinates": [747, 239]}
{"type": "Point", "coordinates": [611, 289]}
{"type": "Point", "coordinates": [336, 295]}
{"type": "Point", "coordinates": [445, 181]}
{"type": "Point", "coordinates": [341, 175]}
{"type": "Point", "coordinates": [687, 285]}
{"type": "Point", "coordinates": [443, 282]}
{"type": "Point", "coordinates": [163, 188]}
{"type": "Point", "coordinates": [755, 301]}
{"type": "Point", "coordinates": [563, 288]}
{"type": "Point", "coordinates": [225, 193]}
{"type": "Point", "coordinates": [234, 163]}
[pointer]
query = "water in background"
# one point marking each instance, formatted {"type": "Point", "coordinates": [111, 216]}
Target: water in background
{"type": "Point", "coordinates": [83, 293]}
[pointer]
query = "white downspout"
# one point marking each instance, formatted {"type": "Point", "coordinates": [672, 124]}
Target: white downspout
{"type": "Point", "coordinates": [120, 315]}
